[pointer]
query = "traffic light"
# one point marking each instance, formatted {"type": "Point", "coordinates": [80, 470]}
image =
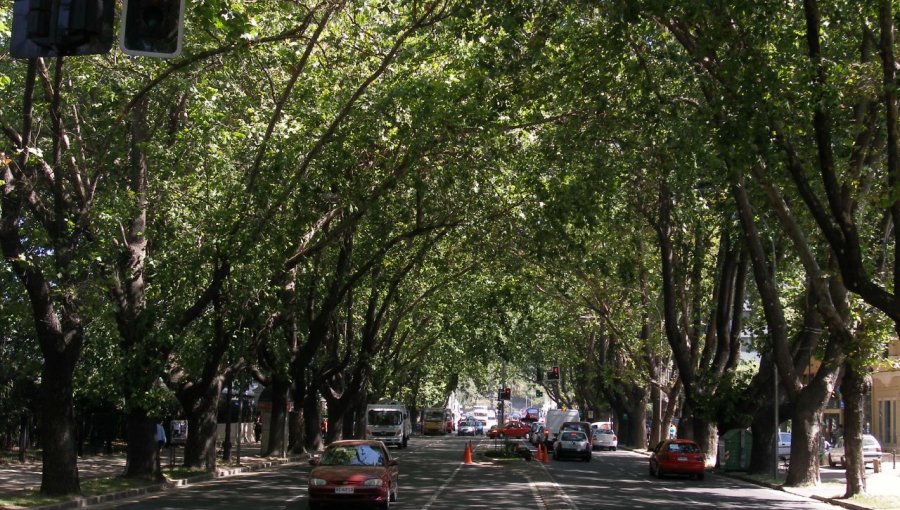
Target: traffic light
{"type": "Point", "coordinates": [505, 393]}
{"type": "Point", "coordinates": [152, 28]}
{"type": "Point", "coordinates": [53, 28]}
{"type": "Point", "coordinates": [553, 374]}
{"type": "Point", "coordinates": [538, 393]}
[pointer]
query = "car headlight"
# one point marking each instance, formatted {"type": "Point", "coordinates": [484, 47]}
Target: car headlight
{"type": "Point", "coordinates": [316, 482]}
{"type": "Point", "coordinates": [374, 482]}
{"type": "Point", "coordinates": [399, 433]}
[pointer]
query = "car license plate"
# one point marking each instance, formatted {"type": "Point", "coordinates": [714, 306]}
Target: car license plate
{"type": "Point", "coordinates": [682, 459]}
{"type": "Point", "coordinates": [343, 490]}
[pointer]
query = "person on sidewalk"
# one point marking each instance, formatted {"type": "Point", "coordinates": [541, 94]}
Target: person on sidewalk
{"type": "Point", "coordinates": [160, 436]}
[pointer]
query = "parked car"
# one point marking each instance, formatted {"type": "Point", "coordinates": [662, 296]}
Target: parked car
{"type": "Point", "coordinates": [784, 446]}
{"type": "Point", "coordinates": [870, 446]}
{"type": "Point", "coordinates": [353, 471]}
{"type": "Point", "coordinates": [582, 426]}
{"type": "Point", "coordinates": [493, 432]}
{"type": "Point", "coordinates": [678, 456]}
{"type": "Point", "coordinates": [537, 433]}
{"type": "Point", "coordinates": [605, 439]}
{"type": "Point", "coordinates": [572, 443]}
{"type": "Point", "coordinates": [466, 427]}
{"type": "Point", "coordinates": [512, 429]}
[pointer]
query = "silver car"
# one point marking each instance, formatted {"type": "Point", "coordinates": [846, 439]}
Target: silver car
{"type": "Point", "coordinates": [870, 446]}
{"type": "Point", "coordinates": [572, 443]}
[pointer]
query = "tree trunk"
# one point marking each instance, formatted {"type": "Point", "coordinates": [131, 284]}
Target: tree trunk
{"type": "Point", "coordinates": [706, 434]}
{"type": "Point", "coordinates": [359, 424]}
{"type": "Point", "coordinates": [202, 418]}
{"type": "Point", "coordinates": [312, 436]}
{"type": "Point", "coordinates": [762, 427]}
{"type": "Point", "coordinates": [762, 449]}
{"type": "Point", "coordinates": [57, 426]}
{"type": "Point", "coordinates": [142, 452]}
{"type": "Point", "coordinates": [853, 389]}
{"type": "Point", "coordinates": [805, 433]}
{"type": "Point", "coordinates": [656, 418]}
{"type": "Point", "coordinates": [280, 389]}
{"type": "Point", "coordinates": [636, 432]}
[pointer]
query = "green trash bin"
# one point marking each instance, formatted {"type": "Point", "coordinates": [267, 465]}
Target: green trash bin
{"type": "Point", "coordinates": [734, 450]}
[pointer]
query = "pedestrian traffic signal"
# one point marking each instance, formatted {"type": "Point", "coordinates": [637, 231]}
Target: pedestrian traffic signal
{"type": "Point", "coordinates": [553, 374]}
{"type": "Point", "coordinates": [505, 393]}
{"type": "Point", "coordinates": [152, 28]}
{"type": "Point", "coordinates": [53, 28]}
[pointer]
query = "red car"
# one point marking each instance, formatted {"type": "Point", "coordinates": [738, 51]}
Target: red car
{"type": "Point", "coordinates": [353, 471]}
{"type": "Point", "coordinates": [678, 456]}
{"type": "Point", "coordinates": [512, 429]}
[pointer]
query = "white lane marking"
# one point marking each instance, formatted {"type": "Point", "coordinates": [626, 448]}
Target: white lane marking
{"type": "Point", "coordinates": [439, 491]}
{"type": "Point", "coordinates": [559, 489]}
{"type": "Point", "coordinates": [536, 493]}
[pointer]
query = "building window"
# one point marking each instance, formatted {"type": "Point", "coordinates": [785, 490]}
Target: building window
{"type": "Point", "coordinates": [887, 421]}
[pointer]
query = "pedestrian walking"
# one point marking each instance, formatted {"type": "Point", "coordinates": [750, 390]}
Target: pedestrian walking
{"type": "Point", "coordinates": [160, 435]}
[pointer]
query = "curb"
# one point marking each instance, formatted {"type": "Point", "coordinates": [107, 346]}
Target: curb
{"type": "Point", "coordinates": [84, 502]}
{"type": "Point", "coordinates": [831, 501]}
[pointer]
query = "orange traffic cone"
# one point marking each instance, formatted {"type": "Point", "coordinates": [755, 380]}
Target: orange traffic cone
{"type": "Point", "coordinates": [545, 458]}
{"type": "Point", "coordinates": [468, 455]}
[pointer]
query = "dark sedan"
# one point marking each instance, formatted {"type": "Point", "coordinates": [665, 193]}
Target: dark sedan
{"type": "Point", "coordinates": [353, 471]}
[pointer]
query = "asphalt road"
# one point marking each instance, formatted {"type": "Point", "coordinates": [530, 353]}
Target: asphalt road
{"type": "Point", "coordinates": [433, 477]}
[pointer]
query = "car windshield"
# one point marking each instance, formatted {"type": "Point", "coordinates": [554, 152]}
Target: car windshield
{"type": "Point", "coordinates": [870, 441]}
{"type": "Point", "coordinates": [683, 448]}
{"type": "Point", "coordinates": [384, 417]}
{"type": "Point", "coordinates": [358, 455]}
{"type": "Point", "coordinates": [604, 431]}
{"type": "Point", "coordinates": [573, 436]}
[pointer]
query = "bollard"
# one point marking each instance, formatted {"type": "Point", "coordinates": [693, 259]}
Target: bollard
{"type": "Point", "coordinates": [876, 465]}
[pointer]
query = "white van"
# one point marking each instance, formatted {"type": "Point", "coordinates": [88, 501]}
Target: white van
{"type": "Point", "coordinates": [554, 420]}
{"type": "Point", "coordinates": [388, 422]}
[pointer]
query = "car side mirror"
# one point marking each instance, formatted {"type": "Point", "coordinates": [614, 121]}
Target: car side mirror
{"type": "Point", "coordinates": [315, 460]}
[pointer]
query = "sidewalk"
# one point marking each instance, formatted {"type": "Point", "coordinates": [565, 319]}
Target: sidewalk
{"type": "Point", "coordinates": [16, 477]}
{"type": "Point", "coordinates": [883, 489]}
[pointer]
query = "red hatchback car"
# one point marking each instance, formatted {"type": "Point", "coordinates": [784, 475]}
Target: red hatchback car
{"type": "Point", "coordinates": [681, 456]}
{"type": "Point", "coordinates": [353, 471]}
